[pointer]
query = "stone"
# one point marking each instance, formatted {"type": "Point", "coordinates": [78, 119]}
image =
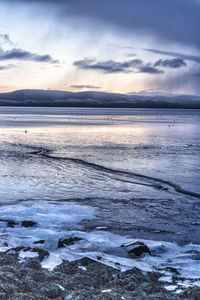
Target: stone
{"type": "Point", "coordinates": [11, 224]}
{"type": "Point", "coordinates": [28, 223]}
{"type": "Point", "coordinates": [41, 252]}
{"type": "Point", "coordinates": [33, 264]}
{"type": "Point", "coordinates": [137, 249]}
{"type": "Point", "coordinates": [67, 242]}
{"type": "Point", "coordinates": [39, 242]}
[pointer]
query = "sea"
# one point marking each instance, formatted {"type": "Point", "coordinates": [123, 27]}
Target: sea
{"type": "Point", "coordinates": [105, 177]}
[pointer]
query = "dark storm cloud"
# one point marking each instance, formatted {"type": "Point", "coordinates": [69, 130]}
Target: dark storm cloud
{"type": "Point", "coordinates": [109, 66]}
{"type": "Point", "coordinates": [176, 54]}
{"type": "Point", "coordinates": [170, 63]}
{"type": "Point", "coordinates": [19, 54]}
{"type": "Point", "coordinates": [84, 86]}
{"type": "Point", "coordinates": [150, 70]}
{"type": "Point", "coordinates": [172, 21]}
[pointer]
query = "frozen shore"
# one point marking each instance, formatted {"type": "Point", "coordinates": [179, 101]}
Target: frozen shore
{"type": "Point", "coordinates": [81, 279]}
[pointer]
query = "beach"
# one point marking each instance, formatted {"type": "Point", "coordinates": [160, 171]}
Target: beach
{"type": "Point", "coordinates": [79, 183]}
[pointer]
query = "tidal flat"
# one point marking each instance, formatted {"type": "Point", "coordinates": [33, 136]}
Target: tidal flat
{"type": "Point", "coordinates": [102, 179]}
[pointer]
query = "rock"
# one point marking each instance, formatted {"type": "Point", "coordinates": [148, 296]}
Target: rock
{"type": "Point", "coordinates": [33, 264]}
{"type": "Point", "coordinates": [8, 259]}
{"type": "Point", "coordinates": [53, 292]}
{"type": "Point", "coordinates": [66, 242]}
{"type": "Point", "coordinates": [192, 293]}
{"type": "Point", "coordinates": [38, 276]}
{"type": "Point", "coordinates": [15, 250]}
{"type": "Point", "coordinates": [28, 223]}
{"type": "Point", "coordinates": [11, 224]}
{"type": "Point", "coordinates": [172, 270]}
{"type": "Point", "coordinates": [137, 249]}
{"type": "Point", "coordinates": [41, 252]}
{"type": "Point", "coordinates": [39, 242]}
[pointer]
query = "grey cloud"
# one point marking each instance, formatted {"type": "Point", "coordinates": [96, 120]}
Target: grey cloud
{"type": "Point", "coordinates": [19, 54]}
{"type": "Point", "coordinates": [130, 55]}
{"type": "Point", "coordinates": [119, 46]}
{"type": "Point", "coordinates": [5, 39]}
{"type": "Point", "coordinates": [84, 86]}
{"type": "Point", "coordinates": [7, 67]}
{"type": "Point", "coordinates": [147, 17]}
{"type": "Point", "coordinates": [109, 66]}
{"type": "Point", "coordinates": [176, 54]}
{"type": "Point", "coordinates": [187, 81]}
{"type": "Point", "coordinates": [170, 63]}
{"type": "Point", "coordinates": [3, 68]}
{"type": "Point", "coordinates": [150, 70]}
{"type": "Point", "coordinates": [196, 72]}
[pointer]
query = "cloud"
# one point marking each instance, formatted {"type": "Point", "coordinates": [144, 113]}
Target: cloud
{"type": "Point", "coordinates": [19, 54]}
{"type": "Point", "coordinates": [150, 19]}
{"type": "Point", "coordinates": [170, 63]}
{"type": "Point", "coordinates": [109, 66]}
{"type": "Point", "coordinates": [84, 86]}
{"type": "Point", "coordinates": [2, 68]}
{"type": "Point", "coordinates": [176, 54]}
{"type": "Point", "coordinates": [150, 70]}
{"type": "Point", "coordinates": [185, 82]}
{"type": "Point", "coordinates": [5, 39]}
{"type": "Point", "coordinates": [130, 55]}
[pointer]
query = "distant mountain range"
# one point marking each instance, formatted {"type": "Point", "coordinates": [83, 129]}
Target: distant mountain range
{"type": "Point", "coordinates": [97, 99]}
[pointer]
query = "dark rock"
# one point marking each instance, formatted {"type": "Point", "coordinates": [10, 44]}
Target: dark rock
{"type": "Point", "coordinates": [192, 293]}
{"type": "Point", "coordinates": [66, 267]}
{"type": "Point", "coordinates": [33, 264]}
{"type": "Point", "coordinates": [28, 223]}
{"type": "Point", "coordinates": [39, 242]}
{"type": "Point", "coordinates": [53, 292]}
{"type": "Point", "coordinates": [41, 252]}
{"type": "Point", "coordinates": [66, 242]}
{"type": "Point", "coordinates": [8, 260]}
{"type": "Point", "coordinates": [137, 249]}
{"type": "Point", "coordinates": [172, 270]}
{"type": "Point", "coordinates": [15, 249]}
{"type": "Point", "coordinates": [38, 276]}
{"type": "Point", "coordinates": [27, 280]}
{"type": "Point", "coordinates": [12, 224]}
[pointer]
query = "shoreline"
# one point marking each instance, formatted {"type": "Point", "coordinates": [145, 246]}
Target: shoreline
{"type": "Point", "coordinates": [81, 279]}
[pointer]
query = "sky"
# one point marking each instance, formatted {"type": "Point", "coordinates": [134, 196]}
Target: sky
{"type": "Point", "coordinates": [122, 46]}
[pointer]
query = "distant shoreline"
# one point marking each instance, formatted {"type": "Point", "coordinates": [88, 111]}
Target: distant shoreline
{"type": "Point", "coordinates": [99, 106]}
{"type": "Point", "coordinates": [50, 98]}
